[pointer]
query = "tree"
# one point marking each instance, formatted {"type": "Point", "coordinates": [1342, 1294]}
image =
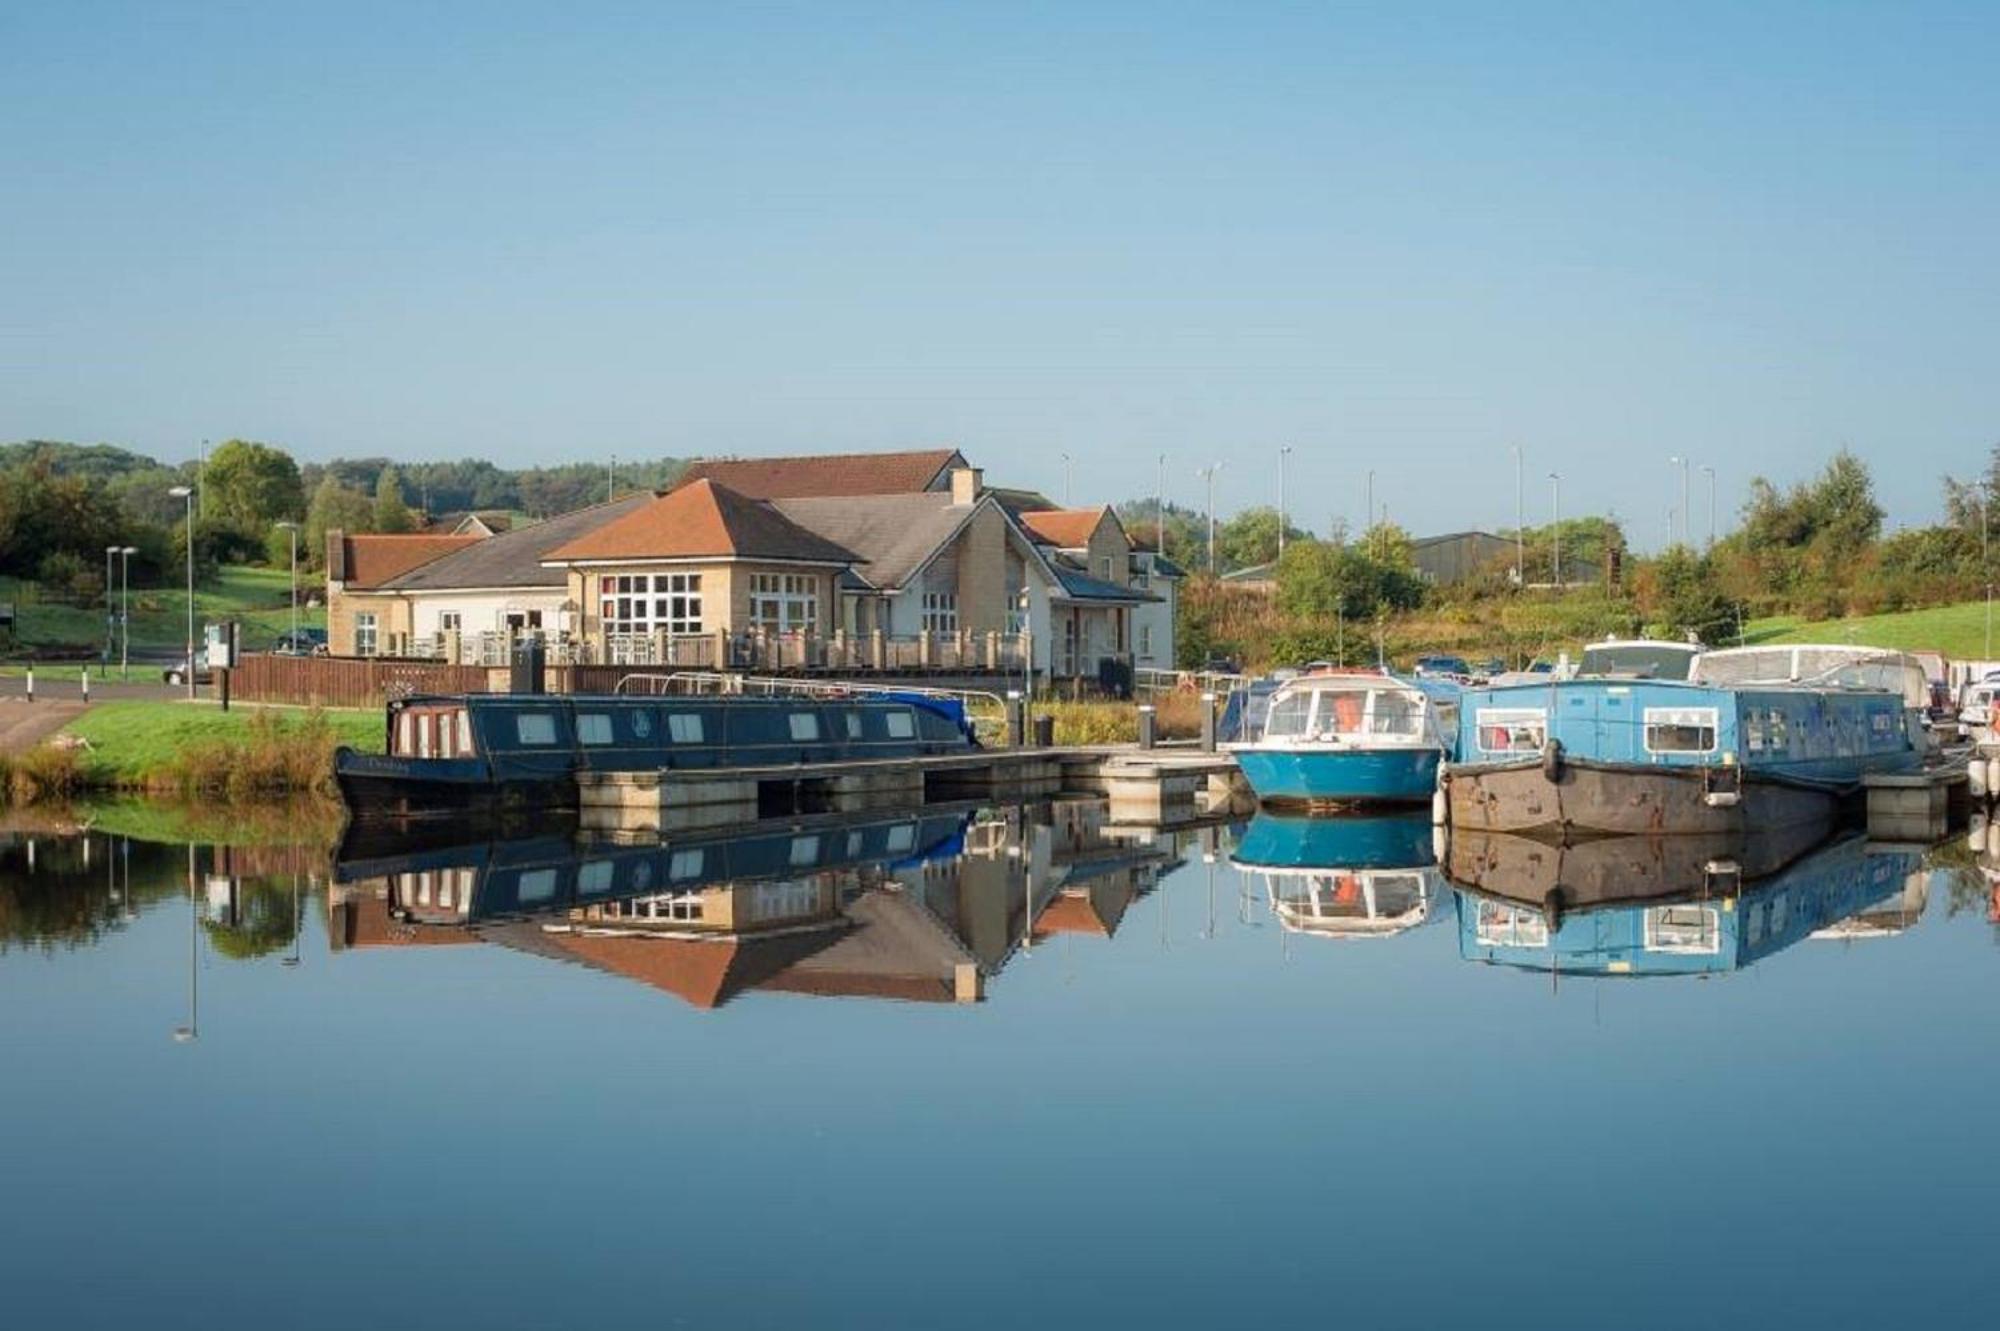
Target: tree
{"type": "Point", "coordinates": [1250, 538]}
{"type": "Point", "coordinates": [334, 506]}
{"type": "Point", "coordinates": [392, 511]}
{"type": "Point", "coordinates": [253, 485]}
{"type": "Point", "coordinates": [1682, 594]}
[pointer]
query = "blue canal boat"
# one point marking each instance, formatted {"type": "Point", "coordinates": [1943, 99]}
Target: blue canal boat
{"type": "Point", "coordinates": [1755, 737]}
{"type": "Point", "coordinates": [1338, 737]}
{"type": "Point", "coordinates": [500, 752]}
{"type": "Point", "coordinates": [1696, 933]}
{"type": "Point", "coordinates": [1346, 876]}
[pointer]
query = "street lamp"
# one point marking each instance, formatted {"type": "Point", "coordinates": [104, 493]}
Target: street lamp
{"type": "Point", "coordinates": [1520, 527]}
{"type": "Point", "coordinates": [1555, 524]}
{"type": "Point", "coordinates": [1067, 476]}
{"type": "Point", "coordinates": [1368, 515]}
{"type": "Point", "coordinates": [1709, 472]}
{"type": "Point", "coordinates": [1160, 511]}
{"type": "Point", "coordinates": [293, 528]}
{"type": "Point", "coordinates": [1283, 453]}
{"type": "Point", "coordinates": [110, 616]}
{"type": "Point", "coordinates": [187, 492]}
{"type": "Point", "coordinates": [1208, 474]}
{"type": "Point", "coordinates": [125, 553]}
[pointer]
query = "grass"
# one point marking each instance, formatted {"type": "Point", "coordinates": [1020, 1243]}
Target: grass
{"type": "Point", "coordinates": [1959, 631]}
{"type": "Point", "coordinates": [259, 597]}
{"type": "Point", "coordinates": [308, 819]}
{"type": "Point", "coordinates": [1118, 722]}
{"type": "Point", "coordinates": [198, 748]}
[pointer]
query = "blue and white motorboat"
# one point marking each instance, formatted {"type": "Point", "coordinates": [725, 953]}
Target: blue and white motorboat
{"type": "Point", "coordinates": [1755, 737]}
{"type": "Point", "coordinates": [1351, 737]}
{"type": "Point", "coordinates": [1351, 876]}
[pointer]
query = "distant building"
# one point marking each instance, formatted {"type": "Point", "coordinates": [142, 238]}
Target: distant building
{"type": "Point", "coordinates": [1457, 556]}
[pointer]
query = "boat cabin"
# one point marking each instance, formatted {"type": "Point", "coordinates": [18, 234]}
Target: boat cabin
{"type": "Point", "coordinates": [1369, 709]}
{"type": "Point", "coordinates": [1637, 658]}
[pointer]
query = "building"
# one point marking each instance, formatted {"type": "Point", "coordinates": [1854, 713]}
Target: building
{"type": "Point", "coordinates": [831, 475]}
{"type": "Point", "coordinates": [1153, 621]}
{"type": "Point", "coordinates": [1458, 556]}
{"type": "Point", "coordinates": [364, 616]}
{"type": "Point", "coordinates": [1088, 557]}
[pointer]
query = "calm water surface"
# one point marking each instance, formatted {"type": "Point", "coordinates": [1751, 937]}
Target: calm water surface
{"type": "Point", "coordinates": [523, 1086]}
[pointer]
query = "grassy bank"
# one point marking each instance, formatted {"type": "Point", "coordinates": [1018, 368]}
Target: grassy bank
{"type": "Point", "coordinates": [1118, 722]}
{"type": "Point", "coordinates": [1959, 631]}
{"type": "Point", "coordinates": [193, 749]}
{"type": "Point", "coordinates": [259, 597]}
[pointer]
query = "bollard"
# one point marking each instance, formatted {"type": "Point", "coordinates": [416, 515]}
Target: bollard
{"type": "Point", "coordinates": [1148, 726]}
{"type": "Point", "coordinates": [31, 683]}
{"type": "Point", "coordinates": [1208, 723]}
{"type": "Point", "coordinates": [1017, 719]}
{"type": "Point", "coordinates": [1045, 731]}
{"type": "Point", "coordinates": [85, 678]}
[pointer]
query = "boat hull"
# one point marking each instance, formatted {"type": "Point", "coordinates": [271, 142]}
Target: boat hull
{"type": "Point", "coordinates": [376, 787]}
{"type": "Point", "coordinates": [1580, 797]}
{"type": "Point", "coordinates": [1310, 777]}
{"type": "Point", "coordinates": [1613, 871]}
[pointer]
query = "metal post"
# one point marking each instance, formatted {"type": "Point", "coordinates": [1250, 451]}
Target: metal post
{"type": "Point", "coordinates": [1520, 527]}
{"type": "Point", "coordinates": [125, 611]}
{"type": "Point", "coordinates": [187, 492]}
{"type": "Point", "coordinates": [1283, 453]}
{"type": "Point", "coordinates": [1148, 726]}
{"type": "Point", "coordinates": [1160, 510]}
{"type": "Point", "coordinates": [1709, 472]}
{"type": "Point", "coordinates": [1368, 515]}
{"type": "Point", "coordinates": [1985, 572]}
{"type": "Point", "coordinates": [84, 681]}
{"type": "Point", "coordinates": [1068, 474]}
{"type": "Point", "coordinates": [110, 619]}
{"type": "Point", "coordinates": [1208, 722]}
{"type": "Point", "coordinates": [1555, 528]}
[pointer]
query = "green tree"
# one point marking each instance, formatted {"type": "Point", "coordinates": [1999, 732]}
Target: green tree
{"type": "Point", "coordinates": [334, 507]}
{"type": "Point", "coordinates": [392, 510]}
{"type": "Point", "coordinates": [253, 485]}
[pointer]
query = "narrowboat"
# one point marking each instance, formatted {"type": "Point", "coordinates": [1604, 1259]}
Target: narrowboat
{"type": "Point", "coordinates": [485, 753]}
{"type": "Point", "coordinates": [1754, 737]}
{"type": "Point", "coordinates": [1367, 876]}
{"type": "Point", "coordinates": [1699, 932]}
{"type": "Point", "coordinates": [1337, 737]}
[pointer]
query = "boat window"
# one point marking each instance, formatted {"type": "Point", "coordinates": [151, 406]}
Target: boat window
{"type": "Point", "coordinates": [1500, 925]}
{"type": "Point", "coordinates": [536, 885]}
{"type": "Point", "coordinates": [465, 732]}
{"type": "Point", "coordinates": [593, 727]}
{"type": "Point", "coordinates": [593, 877]}
{"type": "Point", "coordinates": [685, 864]}
{"type": "Point", "coordinates": [1342, 712]}
{"type": "Point", "coordinates": [641, 721]}
{"type": "Point", "coordinates": [684, 727]}
{"type": "Point", "coordinates": [901, 837]}
{"type": "Point", "coordinates": [853, 725]}
{"type": "Point", "coordinates": [535, 727]}
{"type": "Point", "coordinates": [1289, 713]}
{"type": "Point", "coordinates": [805, 850]}
{"type": "Point", "coordinates": [405, 743]}
{"type": "Point", "coordinates": [1680, 729]}
{"type": "Point", "coordinates": [805, 725]}
{"type": "Point", "coordinates": [1395, 712]}
{"type": "Point", "coordinates": [1684, 928]}
{"type": "Point", "coordinates": [902, 725]}
{"type": "Point", "coordinates": [1512, 729]}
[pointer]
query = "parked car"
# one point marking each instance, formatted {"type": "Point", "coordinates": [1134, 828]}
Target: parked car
{"type": "Point", "coordinates": [176, 672]}
{"type": "Point", "coordinates": [1447, 667]}
{"type": "Point", "coordinates": [305, 642]}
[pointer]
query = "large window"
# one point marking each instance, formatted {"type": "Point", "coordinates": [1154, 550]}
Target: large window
{"type": "Point", "coordinates": [1512, 729]}
{"type": "Point", "coordinates": [783, 602]}
{"type": "Point", "coordinates": [365, 637]}
{"type": "Point", "coordinates": [1680, 729]}
{"type": "Point", "coordinates": [940, 612]}
{"type": "Point", "coordinates": [641, 603]}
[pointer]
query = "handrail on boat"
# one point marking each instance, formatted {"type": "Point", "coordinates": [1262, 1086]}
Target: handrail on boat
{"type": "Point", "coordinates": [720, 682]}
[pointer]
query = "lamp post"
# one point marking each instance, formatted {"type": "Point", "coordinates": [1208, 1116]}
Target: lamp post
{"type": "Point", "coordinates": [293, 528]}
{"type": "Point", "coordinates": [1709, 472]}
{"type": "Point", "coordinates": [1160, 511]}
{"type": "Point", "coordinates": [1368, 515]}
{"type": "Point", "coordinates": [1555, 524]}
{"type": "Point", "coordinates": [1520, 527]}
{"type": "Point", "coordinates": [1208, 474]}
{"type": "Point", "coordinates": [186, 1034]}
{"type": "Point", "coordinates": [1068, 471]}
{"type": "Point", "coordinates": [125, 553]}
{"type": "Point", "coordinates": [1986, 571]}
{"type": "Point", "coordinates": [187, 492]}
{"type": "Point", "coordinates": [1283, 453]}
{"type": "Point", "coordinates": [110, 616]}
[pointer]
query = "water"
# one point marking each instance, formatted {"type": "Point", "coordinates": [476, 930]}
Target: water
{"type": "Point", "coordinates": [1168, 1109]}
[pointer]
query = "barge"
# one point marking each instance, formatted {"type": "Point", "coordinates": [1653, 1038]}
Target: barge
{"type": "Point", "coordinates": [507, 753]}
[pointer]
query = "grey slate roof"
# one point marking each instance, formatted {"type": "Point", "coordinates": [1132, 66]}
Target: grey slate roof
{"type": "Point", "coordinates": [892, 536]}
{"type": "Point", "coordinates": [514, 558]}
{"type": "Point", "coordinates": [1082, 587]}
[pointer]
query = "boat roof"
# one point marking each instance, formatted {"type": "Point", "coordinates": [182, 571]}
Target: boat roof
{"type": "Point", "coordinates": [1691, 648]}
{"type": "Point", "coordinates": [1817, 665]}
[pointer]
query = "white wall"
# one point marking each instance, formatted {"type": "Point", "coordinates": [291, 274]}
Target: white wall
{"type": "Point", "coordinates": [481, 611]}
{"type": "Point", "coordinates": [1161, 616]}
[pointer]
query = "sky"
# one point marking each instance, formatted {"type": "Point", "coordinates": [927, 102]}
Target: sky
{"type": "Point", "coordinates": [1395, 238]}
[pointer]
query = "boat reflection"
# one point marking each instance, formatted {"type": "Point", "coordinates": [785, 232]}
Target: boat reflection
{"type": "Point", "coordinates": [1368, 876]}
{"type": "Point", "coordinates": [924, 905]}
{"type": "Point", "coordinates": [1711, 923]}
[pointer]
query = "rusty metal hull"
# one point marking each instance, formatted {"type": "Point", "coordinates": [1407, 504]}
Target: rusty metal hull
{"type": "Point", "coordinates": [1610, 871]}
{"type": "Point", "coordinates": [1581, 798]}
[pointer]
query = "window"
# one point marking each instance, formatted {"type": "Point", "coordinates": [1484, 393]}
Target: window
{"type": "Point", "coordinates": [522, 621]}
{"type": "Point", "coordinates": [639, 603]}
{"type": "Point", "coordinates": [593, 878]}
{"type": "Point", "coordinates": [782, 901]}
{"type": "Point", "coordinates": [593, 727]}
{"type": "Point", "coordinates": [536, 885]}
{"type": "Point", "coordinates": [1142, 574]}
{"type": "Point", "coordinates": [902, 838]}
{"type": "Point", "coordinates": [902, 725]}
{"type": "Point", "coordinates": [1105, 566]}
{"type": "Point", "coordinates": [940, 612]}
{"type": "Point", "coordinates": [465, 732]}
{"type": "Point", "coordinates": [684, 727]}
{"type": "Point", "coordinates": [1395, 713]}
{"type": "Point", "coordinates": [1512, 729]}
{"type": "Point", "coordinates": [535, 728]}
{"type": "Point", "coordinates": [784, 602]}
{"type": "Point", "coordinates": [854, 725]}
{"type": "Point", "coordinates": [364, 634]}
{"type": "Point", "coordinates": [1680, 729]}
{"type": "Point", "coordinates": [805, 851]}
{"type": "Point", "coordinates": [450, 621]}
{"type": "Point", "coordinates": [1684, 928]}
{"type": "Point", "coordinates": [685, 864]}
{"type": "Point", "coordinates": [1288, 714]}
{"type": "Point", "coordinates": [1146, 640]}
{"type": "Point", "coordinates": [1510, 926]}
{"type": "Point", "coordinates": [804, 725]}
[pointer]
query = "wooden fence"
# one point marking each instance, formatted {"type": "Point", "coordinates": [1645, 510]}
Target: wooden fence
{"type": "Point", "coordinates": [348, 681]}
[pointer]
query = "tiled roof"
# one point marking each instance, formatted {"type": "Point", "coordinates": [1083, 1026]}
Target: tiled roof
{"type": "Point", "coordinates": [828, 474]}
{"type": "Point", "coordinates": [702, 520]}
{"type": "Point", "coordinates": [369, 560]}
{"type": "Point", "coordinates": [1064, 528]}
{"type": "Point", "coordinates": [892, 536]}
{"type": "Point", "coordinates": [514, 558]}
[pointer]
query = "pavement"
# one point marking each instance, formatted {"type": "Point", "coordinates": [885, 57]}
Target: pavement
{"type": "Point", "coordinates": [25, 724]}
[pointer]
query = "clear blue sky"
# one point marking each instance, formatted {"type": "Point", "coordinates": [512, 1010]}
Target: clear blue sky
{"type": "Point", "coordinates": [1393, 239]}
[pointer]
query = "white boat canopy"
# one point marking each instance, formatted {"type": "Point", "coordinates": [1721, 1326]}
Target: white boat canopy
{"type": "Point", "coordinates": [1822, 666]}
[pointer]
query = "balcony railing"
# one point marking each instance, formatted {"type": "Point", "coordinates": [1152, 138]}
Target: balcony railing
{"type": "Point", "coordinates": [755, 650]}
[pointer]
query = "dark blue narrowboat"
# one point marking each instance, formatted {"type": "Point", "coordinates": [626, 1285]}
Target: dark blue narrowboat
{"type": "Point", "coordinates": [509, 752]}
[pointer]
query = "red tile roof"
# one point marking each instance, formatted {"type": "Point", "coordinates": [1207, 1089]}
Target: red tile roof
{"type": "Point", "coordinates": [371, 560]}
{"type": "Point", "coordinates": [1071, 914]}
{"type": "Point", "coordinates": [702, 520]}
{"type": "Point", "coordinates": [828, 474]}
{"type": "Point", "coordinates": [1064, 528]}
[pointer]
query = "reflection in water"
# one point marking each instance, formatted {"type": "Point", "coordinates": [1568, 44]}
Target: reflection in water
{"type": "Point", "coordinates": [924, 905]}
{"type": "Point", "coordinates": [1846, 889]}
{"type": "Point", "coordinates": [1366, 876]}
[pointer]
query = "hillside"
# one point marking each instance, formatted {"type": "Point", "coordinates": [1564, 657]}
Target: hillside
{"type": "Point", "coordinates": [1959, 631]}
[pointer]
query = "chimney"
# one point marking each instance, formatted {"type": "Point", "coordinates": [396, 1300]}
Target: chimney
{"type": "Point", "coordinates": [336, 555]}
{"type": "Point", "coordinates": [967, 484]}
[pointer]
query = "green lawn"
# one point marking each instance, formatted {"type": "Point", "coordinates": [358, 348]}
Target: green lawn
{"type": "Point", "coordinates": [1959, 631]}
{"type": "Point", "coordinates": [260, 597]}
{"type": "Point", "coordinates": [130, 740]}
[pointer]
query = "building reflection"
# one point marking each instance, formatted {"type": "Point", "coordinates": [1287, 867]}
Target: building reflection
{"type": "Point", "coordinates": [925, 905]}
{"type": "Point", "coordinates": [1347, 876]}
{"type": "Point", "coordinates": [1709, 921]}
